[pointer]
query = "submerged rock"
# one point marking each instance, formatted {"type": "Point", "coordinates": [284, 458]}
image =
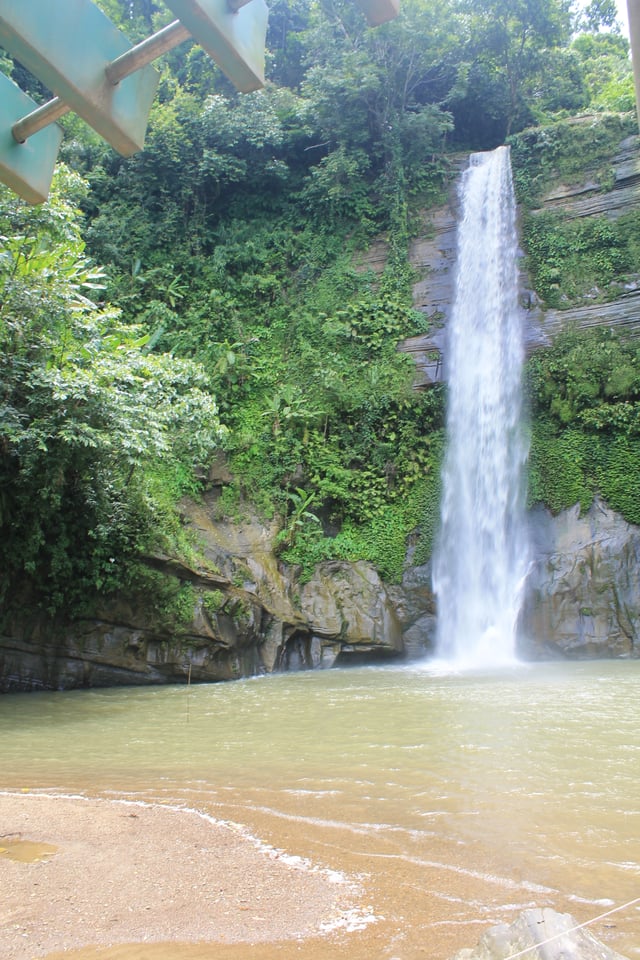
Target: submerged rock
{"type": "Point", "coordinates": [539, 934]}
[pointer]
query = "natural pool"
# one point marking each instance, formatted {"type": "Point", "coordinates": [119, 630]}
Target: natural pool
{"type": "Point", "coordinates": [459, 798]}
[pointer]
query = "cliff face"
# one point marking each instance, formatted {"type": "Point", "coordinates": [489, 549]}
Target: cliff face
{"type": "Point", "coordinates": [254, 616]}
{"type": "Point", "coordinates": [592, 198]}
{"type": "Point", "coordinates": [583, 589]}
{"type": "Point", "coordinates": [582, 600]}
{"type": "Point", "coordinates": [433, 258]}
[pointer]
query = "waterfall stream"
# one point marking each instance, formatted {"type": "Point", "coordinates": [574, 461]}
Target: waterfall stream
{"type": "Point", "coordinates": [481, 554]}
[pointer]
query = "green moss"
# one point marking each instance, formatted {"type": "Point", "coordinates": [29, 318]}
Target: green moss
{"type": "Point", "coordinates": [618, 475]}
{"type": "Point", "coordinates": [213, 601]}
{"type": "Point", "coordinates": [382, 540]}
{"type": "Point", "coordinates": [560, 468]}
{"type": "Point", "coordinates": [585, 397]}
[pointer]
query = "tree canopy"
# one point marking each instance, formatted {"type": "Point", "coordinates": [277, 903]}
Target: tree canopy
{"type": "Point", "coordinates": [232, 305]}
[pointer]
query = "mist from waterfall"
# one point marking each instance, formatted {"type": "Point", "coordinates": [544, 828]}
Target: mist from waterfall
{"type": "Point", "coordinates": [481, 554]}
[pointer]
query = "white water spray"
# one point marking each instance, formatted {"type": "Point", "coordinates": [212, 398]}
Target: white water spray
{"type": "Point", "coordinates": [481, 556]}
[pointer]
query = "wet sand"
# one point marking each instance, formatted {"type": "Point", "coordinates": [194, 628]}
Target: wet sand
{"type": "Point", "coordinates": [103, 879]}
{"type": "Point", "coordinates": [78, 873]}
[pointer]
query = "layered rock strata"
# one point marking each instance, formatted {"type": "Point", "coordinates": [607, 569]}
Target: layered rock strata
{"type": "Point", "coordinates": [582, 600]}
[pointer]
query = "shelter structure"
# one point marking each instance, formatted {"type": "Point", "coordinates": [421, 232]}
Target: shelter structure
{"type": "Point", "coordinates": [93, 70]}
{"type": "Point", "coordinates": [633, 7]}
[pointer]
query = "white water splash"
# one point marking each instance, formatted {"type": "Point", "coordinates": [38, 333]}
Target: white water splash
{"type": "Point", "coordinates": [481, 555]}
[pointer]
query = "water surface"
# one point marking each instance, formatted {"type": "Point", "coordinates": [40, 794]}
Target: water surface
{"type": "Point", "coordinates": [459, 799]}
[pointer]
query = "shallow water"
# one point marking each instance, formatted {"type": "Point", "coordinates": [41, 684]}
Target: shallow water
{"type": "Point", "coordinates": [459, 799]}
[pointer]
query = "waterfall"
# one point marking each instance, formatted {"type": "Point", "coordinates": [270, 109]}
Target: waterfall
{"type": "Point", "coordinates": [481, 553]}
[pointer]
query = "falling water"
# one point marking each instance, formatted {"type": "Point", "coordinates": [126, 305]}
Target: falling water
{"type": "Point", "coordinates": [481, 555]}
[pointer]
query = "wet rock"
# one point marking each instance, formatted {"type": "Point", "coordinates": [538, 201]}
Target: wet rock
{"type": "Point", "coordinates": [544, 935]}
{"type": "Point", "coordinates": [349, 601]}
{"type": "Point", "coordinates": [582, 595]}
{"type": "Point", "coordinates": [414, 605]}
{"type": "Point", "coordinates": [582, 601]}
{"type": "Point", "coordinates": [249, 616]}
{"type": "Point", "coordinates": [622, 313]}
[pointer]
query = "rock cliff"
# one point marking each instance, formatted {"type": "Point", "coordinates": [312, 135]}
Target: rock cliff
{"type": "Point", "coordinates": [432, 256]}
{"type": "Point", "coordinates": [582, 600]}
{"type": "Point", "coordinates": [583, 589]}
{"type": "Point", "coordinates": [253, 615]}
{"type": "Point", "coordinates": [592, 198]}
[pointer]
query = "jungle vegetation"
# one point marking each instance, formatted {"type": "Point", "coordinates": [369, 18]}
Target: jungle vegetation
{"type": "Point", "coordinates": [211, 291]}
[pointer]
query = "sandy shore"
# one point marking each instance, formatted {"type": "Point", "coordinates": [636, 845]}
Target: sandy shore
{"type": "Point", "coordinates": [124, 873]}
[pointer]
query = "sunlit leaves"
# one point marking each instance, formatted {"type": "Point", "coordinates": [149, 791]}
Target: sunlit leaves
{"type": "Point", "coordinates": [87, 415]}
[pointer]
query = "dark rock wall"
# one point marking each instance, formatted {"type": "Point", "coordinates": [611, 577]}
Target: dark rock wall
{"type": "Point", "coordinates": [583, 589]}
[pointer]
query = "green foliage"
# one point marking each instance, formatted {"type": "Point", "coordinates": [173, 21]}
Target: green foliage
{"type": "Point", "coordinates": [213, 601]}
{"type": "Point", "coordinates": [619, 474]}
{"type": "Point", "coordinates": [170, 603]}
{"type": "Point", "coordinates": [296, 519]}
{"type": "Point", "coordinates": [561, 467]}
{"type": "Point", "coordinates": [606, 70]}
{"type": "Point", "coordinates": [175, 603]}
{"type": "Point", "coordinates": [503, 63]}
{"type": "Point", "coordinates": [570, 466]}
{"type": "Point", "coordinates": [582, 260]}
{"type": "Point", "coordinates": [380, 529]}
{"type": "Point", "coordinates": [567, 151]}
{"type": "Point", "coordinates": [86, 417]}
{"type": "Point", "coordinates": [591, 378]}
{"type": "Point", "coordinates": [376, 322]}
{"type": "Point", "coordinates": [585, 394]}
{"type": "Point", "coordinates": [231, 245]}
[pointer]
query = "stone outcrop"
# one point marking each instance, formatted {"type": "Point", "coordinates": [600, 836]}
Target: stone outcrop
{"type": "Point", "coordinates": [253, 616]}
{"type": "Point", "coordinates": [125, 642]}
{"type": "Point", "coordinates": [623, 313]}
{"type": "Point", "coordinates": [583, 588]}
{"type": "Point", "coordinates": [592, 198]}
{"type": "Point", "coordinates": [249, 617]}
{"type": "Point", "coordinates": [542, 934]}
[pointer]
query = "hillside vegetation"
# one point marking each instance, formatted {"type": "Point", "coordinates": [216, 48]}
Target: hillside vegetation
{"type": "Point", "coordinates": [207, 292]}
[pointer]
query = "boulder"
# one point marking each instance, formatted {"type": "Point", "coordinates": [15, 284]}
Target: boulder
{"type": "Point", "coordinates": [349, 602]}
{"type": "Point", "coordinates": [539, 934]}
{"type": "Point", "coordinates": [414, 605]}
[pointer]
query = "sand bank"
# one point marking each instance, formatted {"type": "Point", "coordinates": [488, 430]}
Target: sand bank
{"type": "Point", "coordinates": [81, 872]}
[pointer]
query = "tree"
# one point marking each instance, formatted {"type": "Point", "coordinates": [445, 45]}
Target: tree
{"type": "Point", "coordinates": [607, 70]}
{"type": "Point", "coordinates": [366, 87]}
{"type": "Point", "coordinates": [88, 417]}
{"type": "Point", "coordinates": [505, 43]}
